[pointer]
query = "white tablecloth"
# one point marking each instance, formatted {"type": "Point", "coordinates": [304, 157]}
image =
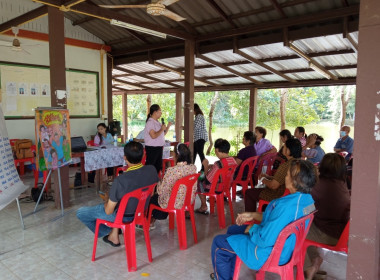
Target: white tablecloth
{"type": "Point", "coordinates": [103, 158]}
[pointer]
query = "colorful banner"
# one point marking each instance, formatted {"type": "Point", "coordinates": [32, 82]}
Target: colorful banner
{"type": "Point", "coordinates": [52, 138]}
{"type": "Point", "coordinates": [10, 184]}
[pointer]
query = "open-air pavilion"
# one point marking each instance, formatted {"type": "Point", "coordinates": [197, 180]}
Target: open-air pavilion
{"type": "Point", "coordinates": [235, 45]}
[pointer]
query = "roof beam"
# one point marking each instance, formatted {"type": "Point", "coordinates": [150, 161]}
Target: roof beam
{"type": "Point", "coordinates": [312, 63]}
{"type": "Point", "coordinates": [82, 20]}
{"type": "Point", "coordinates": [24, 18]}
{"type": "Point", "coordinates": [278, 8]}
{"type": "Point", "coordinates": [182, 73]}
{"type": "Point", "coordinates": [302, 83]}
{"type": "Point", "coordinates": [220, 65]}
{"type": "Point", "coordinates": [130, 84]}
{"type": "Point", "coordinates": [219, 10]}
{"type": "Point", "coordinates": [144, 76]}
{"type": "Point", "coordinates": [173, 43]}
{"type": "Point", "coordinates": [258, 62]}
{"type": "Point", "coordinates": [348, 36]}
{"type": "Point", "coordinates": [279, 24]}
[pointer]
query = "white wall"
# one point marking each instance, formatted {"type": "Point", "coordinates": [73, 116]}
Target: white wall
{"type": "Point", "coordinates": [76, 57]}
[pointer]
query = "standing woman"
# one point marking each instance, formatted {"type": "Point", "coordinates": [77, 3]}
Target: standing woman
{"type": "Point", "coordinates": [200, 134]}
{"type": "Point", "coordinates": [154, 137]}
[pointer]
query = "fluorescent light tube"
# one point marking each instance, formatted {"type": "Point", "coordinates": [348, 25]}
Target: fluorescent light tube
{"type": "Point", "coordinates": [137, 28]}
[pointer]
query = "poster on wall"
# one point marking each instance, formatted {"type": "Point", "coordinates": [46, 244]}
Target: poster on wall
{"type": "Point", "coordinates": [10, 184]}
{"type": "Point", "coordinates": [52, 138]}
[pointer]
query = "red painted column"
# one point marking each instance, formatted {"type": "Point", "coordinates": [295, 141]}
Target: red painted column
{"type": "Point", "coordinates": [363, 254]}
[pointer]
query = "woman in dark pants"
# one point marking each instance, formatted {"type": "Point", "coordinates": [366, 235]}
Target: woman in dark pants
{"type": "Point", "coordinates": [200, 133]}
{"type": "Point", "coordinates": [154, 137]}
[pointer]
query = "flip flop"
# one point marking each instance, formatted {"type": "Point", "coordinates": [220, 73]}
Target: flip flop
{"type": "Point", "coordinates": [320, 275]}
{"type": "Point", "coordinates": [205, 212]}
{"type": "Point", "coordinates": [105, 239]}
{"type": "Point", "coordinates": [212, 276]}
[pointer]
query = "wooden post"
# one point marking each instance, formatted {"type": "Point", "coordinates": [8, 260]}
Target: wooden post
{"type": "Point", "coordinates": [363, 250]}
{"type": "Point", "coordinates": [189, 93]}
{"type": "Point", "coordinates": [124, 105]}
{"type": "Point", "coordinates": [178, 116]}
{"type": "Point", "coordinates": [58, 82]}
{"type": "Point", "coordinates": [252, 109]}
{"type": "Point", "coordinates": [109, 91]}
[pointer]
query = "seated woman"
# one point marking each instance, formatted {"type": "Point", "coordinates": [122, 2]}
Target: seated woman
{"type": "Point", "coordinates": [332, 200]}
{"type": "Point", "coordinates": [222, 148]}
{"type": "Point", "coordinates": [262, 145]}
{"type": "Point", "coordinates": [312, 150]}
{"type": "Point", "coordinates": [183, 168]}
{"type": "Point", "coordinates": [248, 151]}
{"type": "Point", "coordinates": [253, 244]}
{"type": "Point", "coordinates": [274, 185]}
{"type": "Point", "coordinates": [280, 158]}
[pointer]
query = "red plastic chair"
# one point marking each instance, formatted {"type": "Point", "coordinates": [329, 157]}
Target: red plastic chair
{"type": "Point", "coordinates": [341, 246]}
{"type": "Point", "coordinates": [141, 195]}
{"type": "Point", "coordinates": [12, 142]}
{"type": "Point", "coordinates": [226, 173]}
{"type": "Point", "coordinates": [189, 182]}
{"type": "Point", "coordinates": [300, 229]}
{"type": "Point", "coordinates": [266, 160]}
{"type": "Point", "coordinates": [187, 144]}
{"type": "Point", "coordinates": [251, 163]}
{"type": "Point", "coordinates": [91, 143]}
{"type": "Point", "coordinates": [21, 162]}
{"type": "Point", "coordinates": [264, 202]}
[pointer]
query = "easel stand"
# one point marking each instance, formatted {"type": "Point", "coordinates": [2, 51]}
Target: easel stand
{"type": "Point", "coordinates": [19, 211]}
{"type": "Point", "coordinates": [60, 191]}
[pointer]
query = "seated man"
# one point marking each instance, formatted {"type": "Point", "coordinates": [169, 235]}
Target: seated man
{"type": "Point", "coordinates": [222, 148]}
{"type": "Point", "coordinates": [345, 143]}
{"type": "Point", "coordinates": [137, 176]}
{"type": "Point", "coordinates": [249, 139]}
{"type": "Point", "coordinates": [140, 137]}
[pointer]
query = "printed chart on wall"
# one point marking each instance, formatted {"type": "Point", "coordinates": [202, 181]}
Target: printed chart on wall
{"type": "Point", "coordinates": [25, 87]}
{"type": "Point", "coordinates": [52, 138]}
{"type": "Point", "coordinates": [10, 184]}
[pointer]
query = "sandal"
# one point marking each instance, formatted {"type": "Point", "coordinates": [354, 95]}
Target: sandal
{"type": "Point", "coordinates": [320, 275]}
{"type": "Point", "coordinates": [212, 276]}
{"type": "Point", "coordinates": [204, 212]}
{"type": "Point", "coordinates": [105, 239]}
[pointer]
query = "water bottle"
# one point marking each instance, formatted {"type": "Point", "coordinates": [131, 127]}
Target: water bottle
{"type": "Point", "coordinates": [115, 140]}
{"type": "Point", "coordinates": [174, 137]}
{"type": "Point", "coordinates": [131, 137]}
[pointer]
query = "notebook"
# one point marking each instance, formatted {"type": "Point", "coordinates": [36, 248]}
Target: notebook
{"type": "Point", "coordinates": [78, 145]}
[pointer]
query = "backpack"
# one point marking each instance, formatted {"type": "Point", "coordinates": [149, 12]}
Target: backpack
{"type": "Point", "coordinates": [22, 149]}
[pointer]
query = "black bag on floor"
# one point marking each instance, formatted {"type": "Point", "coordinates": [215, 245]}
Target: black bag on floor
{"type": "Point", "coordinates": [78, 179]}
{"type": "Point", "coordinates": [36, 193]}
{"type": "Point", "coordinates": [91, 176]}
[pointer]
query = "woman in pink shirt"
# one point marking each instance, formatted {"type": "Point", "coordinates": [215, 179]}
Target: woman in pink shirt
{"type": "Point", "coordinates": [154, 137]}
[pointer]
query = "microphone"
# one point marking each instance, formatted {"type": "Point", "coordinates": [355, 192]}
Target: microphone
{"type": "Point", "coordinates": [162, 121]}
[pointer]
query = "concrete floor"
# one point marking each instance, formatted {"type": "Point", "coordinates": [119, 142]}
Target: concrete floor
{"type": "Point", "coordinates": [54, 247]}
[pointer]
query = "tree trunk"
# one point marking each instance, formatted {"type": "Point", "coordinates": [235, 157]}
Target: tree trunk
{"type": "Point", "coordinates": [345, 96]}
{"type": "Point", "coordinates": [213, 103]}
{"type": "Point", "coordinates": [148, 103]}
{"type": "Point", "coordinates": [283, 101]}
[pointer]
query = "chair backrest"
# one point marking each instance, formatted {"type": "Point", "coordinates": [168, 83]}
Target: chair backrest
{"type": "Point", "coordinates": [300, 229]}
{"type": "Point", "coordinates": [342, 244]}
{"type": "Point", "coordinates": [12, 142]}
{"type": "Point", "coordinates": [266, 160]}
{"type": "Point", "coordinates": [226, 174]}
{"type": "Point", "coordinates": [251, 163]}
{"type": "Point", "coordinates": [141, 194]}
{"type": "Point", "coordinates": [144, 158]}
{"type": "Point", "coordinates": [188, 182]}
{"type": "Point", "coordinates": [91, 143]}
{"type": "Point", "coordinates": [187, 143]}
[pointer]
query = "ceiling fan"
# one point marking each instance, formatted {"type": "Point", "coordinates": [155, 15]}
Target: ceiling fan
{"type": "Point", "coordinates": [156, 8]}
{"type": "Point", "coordinates": [15, 44]}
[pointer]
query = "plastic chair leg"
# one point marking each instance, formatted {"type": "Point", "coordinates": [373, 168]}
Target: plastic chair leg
{"type": "Point", "coordinates": [221, 215]}
{"type": "Point", "coordinates": [231, 210]}
{"type": "Point", "coordinates": [233, 188]}
{"type": "Point", "coordinates": [237, 268]}
{"type": "Point", "coordinates": [212, 205]}
{"type": "Point", "coordinates": [147, 241]}
{"type": "Point", "coordinates": [181, 228]}
{"type": "Point", "coordinates": [22, 168]}
{"type": "Point", "coordinates": [130, 247]}
{"type": "Point", "coordinates": [171, 220]}
{"type": "Point", "coordinates": [95, 241]}
{"type": "Point", "coordinates": [192, 218]}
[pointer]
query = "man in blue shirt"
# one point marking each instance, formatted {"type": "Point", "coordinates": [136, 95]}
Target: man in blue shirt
{"type": "Point", "coordinates": [345, 143]}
